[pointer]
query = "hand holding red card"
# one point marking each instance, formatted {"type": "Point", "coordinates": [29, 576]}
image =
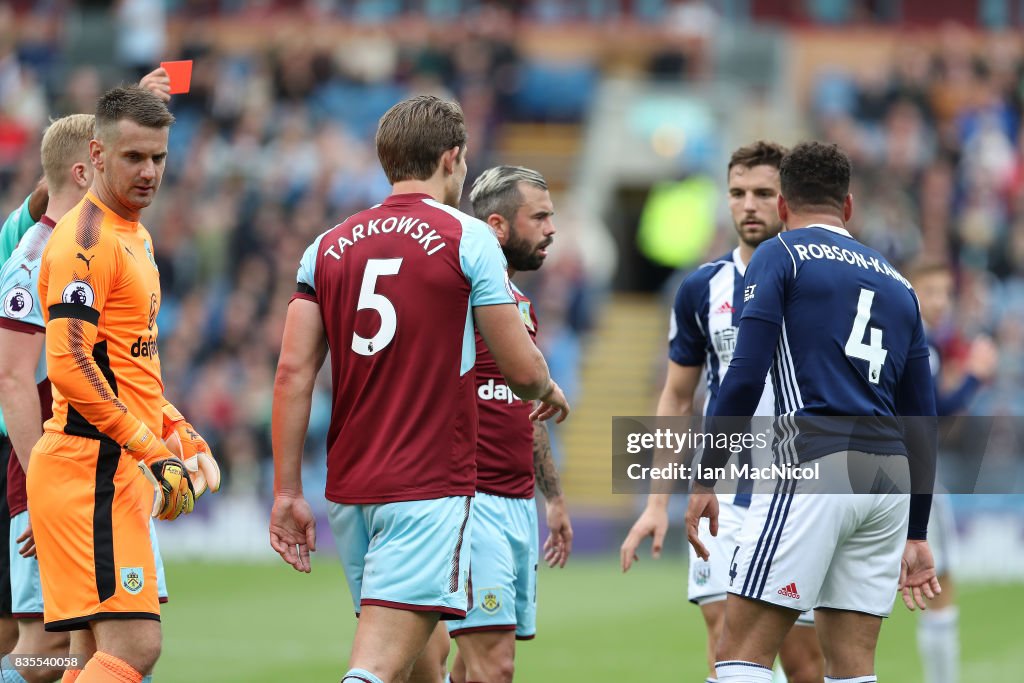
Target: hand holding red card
{"type": "Point", "coordinates": [181, 75]}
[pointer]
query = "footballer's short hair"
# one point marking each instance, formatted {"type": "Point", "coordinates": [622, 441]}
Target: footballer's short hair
{"type": "Point", "coordinates": [65, 143]}
{"type": "Point", "coordinates": [760, 153]}
{"type": "Point", "coordinates": [496, 190]}
{"type": "Point", "coordinates": [928, 266]}
{"type": "Point", "coordinates": [413, 134]}
{"type": "Point", "coordinates": [130, 103]}
{"type": "Point", "coordinates": [815, 175]}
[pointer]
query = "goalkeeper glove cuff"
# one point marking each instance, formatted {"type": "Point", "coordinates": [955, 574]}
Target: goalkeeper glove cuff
{"type": "Point", "coordinates": [194, 451]}
{"type": "Point", "coordinates": [145, 447]}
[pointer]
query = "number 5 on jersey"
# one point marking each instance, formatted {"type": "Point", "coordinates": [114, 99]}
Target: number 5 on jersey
{"type": "Point", "coordinates": [873, 352]}
{"type": "Point", "coordinates": [369, 298]}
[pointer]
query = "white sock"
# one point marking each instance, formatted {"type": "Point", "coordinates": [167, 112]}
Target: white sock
{"type": "Point", "coordinates": [734, 671]}
{"type": "Point", "coordinates": [938, 641]}
{"type": "Point", "coordinates": [856, 679]}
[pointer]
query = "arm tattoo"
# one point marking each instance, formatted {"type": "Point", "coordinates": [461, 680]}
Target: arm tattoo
{"type": "Point", "coordinates": [543, 465]}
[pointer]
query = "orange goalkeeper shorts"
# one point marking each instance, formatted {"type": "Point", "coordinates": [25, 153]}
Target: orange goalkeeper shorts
{"type": "Point", "coordinates": [90, 507]}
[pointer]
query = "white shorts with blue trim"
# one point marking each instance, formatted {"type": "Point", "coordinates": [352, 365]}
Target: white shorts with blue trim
{"type": "Point", "coordinates": [411, 555]}
{"type": "Point", "coordinates": [503, 567]}
{"type": "Point", "coordinates": [806, 545]}
{"type": "Point", "coordinates": [709, 579]}
{"type": "Point", "coordinates": [27, 592]}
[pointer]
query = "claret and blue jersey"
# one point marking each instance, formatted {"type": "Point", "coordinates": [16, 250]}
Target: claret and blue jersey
{"type": "Point", "coordinates": [396, 285]}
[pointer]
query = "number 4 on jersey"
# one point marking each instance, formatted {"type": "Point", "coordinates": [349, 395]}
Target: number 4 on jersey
{"type": "Point", "coordinates": [872, 352]}
{"type": "Point", "coordinates": [369, 298]}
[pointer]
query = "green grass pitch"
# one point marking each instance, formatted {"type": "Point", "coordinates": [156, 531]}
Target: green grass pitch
{"type": "Point", "coordinates": [266, 623]}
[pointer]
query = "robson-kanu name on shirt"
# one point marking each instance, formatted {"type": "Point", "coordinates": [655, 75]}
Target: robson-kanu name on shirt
{"type": "Point", "coordinates": [408, 225]}
{"type": "Point", "coordinates": [833, 253]}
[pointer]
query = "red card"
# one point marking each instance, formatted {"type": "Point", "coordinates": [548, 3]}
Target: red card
{"type": "Point", "coordinates": [181, 75]}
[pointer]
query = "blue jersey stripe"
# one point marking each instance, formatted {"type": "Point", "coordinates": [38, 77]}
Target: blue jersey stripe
{"type": "Point", "coordinates": [791, 369]}
{"type": "Point", "coordinates": [783, 401]}
{"type": "Point", "coordinates": [787, 449]}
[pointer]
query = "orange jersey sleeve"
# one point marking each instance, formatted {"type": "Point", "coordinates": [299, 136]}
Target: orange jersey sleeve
{"type": "Point", "coordinates": [100, 289]}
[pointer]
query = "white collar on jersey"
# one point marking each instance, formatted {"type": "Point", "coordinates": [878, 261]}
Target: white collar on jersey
{"type": "Point", "coordinates": [832, 228]}
{"type": "Point", "coordinates": [738, 262]}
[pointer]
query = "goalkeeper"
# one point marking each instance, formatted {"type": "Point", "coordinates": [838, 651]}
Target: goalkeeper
{"type": "Point", "coordinates": [89, 505]}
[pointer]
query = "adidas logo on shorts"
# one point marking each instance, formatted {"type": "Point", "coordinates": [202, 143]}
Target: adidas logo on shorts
{"type": "Point", "coordinates": [790, 591]}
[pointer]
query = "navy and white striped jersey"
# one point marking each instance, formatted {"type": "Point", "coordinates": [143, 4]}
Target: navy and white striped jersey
{"type": "Point", "coordinates": [849, 324]}
{"type": "Point", "coordinates": [703, 328]}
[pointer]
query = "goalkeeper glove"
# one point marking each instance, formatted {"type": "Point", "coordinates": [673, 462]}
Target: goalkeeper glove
{"type": "Point", "coordinates": [193, 449]}
{"type": "Point", "coordinates": [174, 493]}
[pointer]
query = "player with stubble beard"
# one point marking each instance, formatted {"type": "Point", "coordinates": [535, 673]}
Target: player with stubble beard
{"type": "Point", "coordinates": [394, 292]}
{"type": "Point", "coordinates": [513, 455]}
{"type": "Point", "coordinates": [703, 328]}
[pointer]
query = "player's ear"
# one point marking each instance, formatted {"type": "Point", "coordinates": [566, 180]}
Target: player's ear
{"type": "Point", "coordinates": [96, 154]}
{"type": "Point", "coordinates": [847, 208]}
{"type": "Point", "coordinates": [80, 174]}
{"type": "Point", "coordinates": [450, 160]}
{"type": "Point", "coordinates": [783, 209]}
{"type": "Point", "coordinates": [500, 227]}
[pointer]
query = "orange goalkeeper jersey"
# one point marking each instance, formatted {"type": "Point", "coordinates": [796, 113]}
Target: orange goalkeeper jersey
{"type": "Point", "coordinates": [101, 292]}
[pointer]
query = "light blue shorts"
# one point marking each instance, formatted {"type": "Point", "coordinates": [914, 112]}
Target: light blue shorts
{"type": "Point", "coordinates": [161, 577]}
{"type": "Point", "coordinates": [27, 592]}
{"type": "Point", "coordinates": [411, 555]}
{"type": "Point", "coordinates": [503, 567]}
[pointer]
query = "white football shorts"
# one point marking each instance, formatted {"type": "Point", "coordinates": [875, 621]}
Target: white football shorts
{"type": "Point", "coordinates": [709, 580]}
{"type": "Point", "coordinates": [805, 545]}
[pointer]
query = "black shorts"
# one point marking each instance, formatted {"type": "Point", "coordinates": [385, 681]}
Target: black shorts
{"type": "Point", "coordinates": [5, 531]}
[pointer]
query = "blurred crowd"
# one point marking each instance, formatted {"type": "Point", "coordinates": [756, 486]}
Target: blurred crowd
{"type": "Point", "coordinates": [274, 145]}
{"type": "Point", "coordinates": [270, 148]}
{"type": "Point", "coordinates": [376, 11]}
{"type": "Point", "coordinates": [935, 138]}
